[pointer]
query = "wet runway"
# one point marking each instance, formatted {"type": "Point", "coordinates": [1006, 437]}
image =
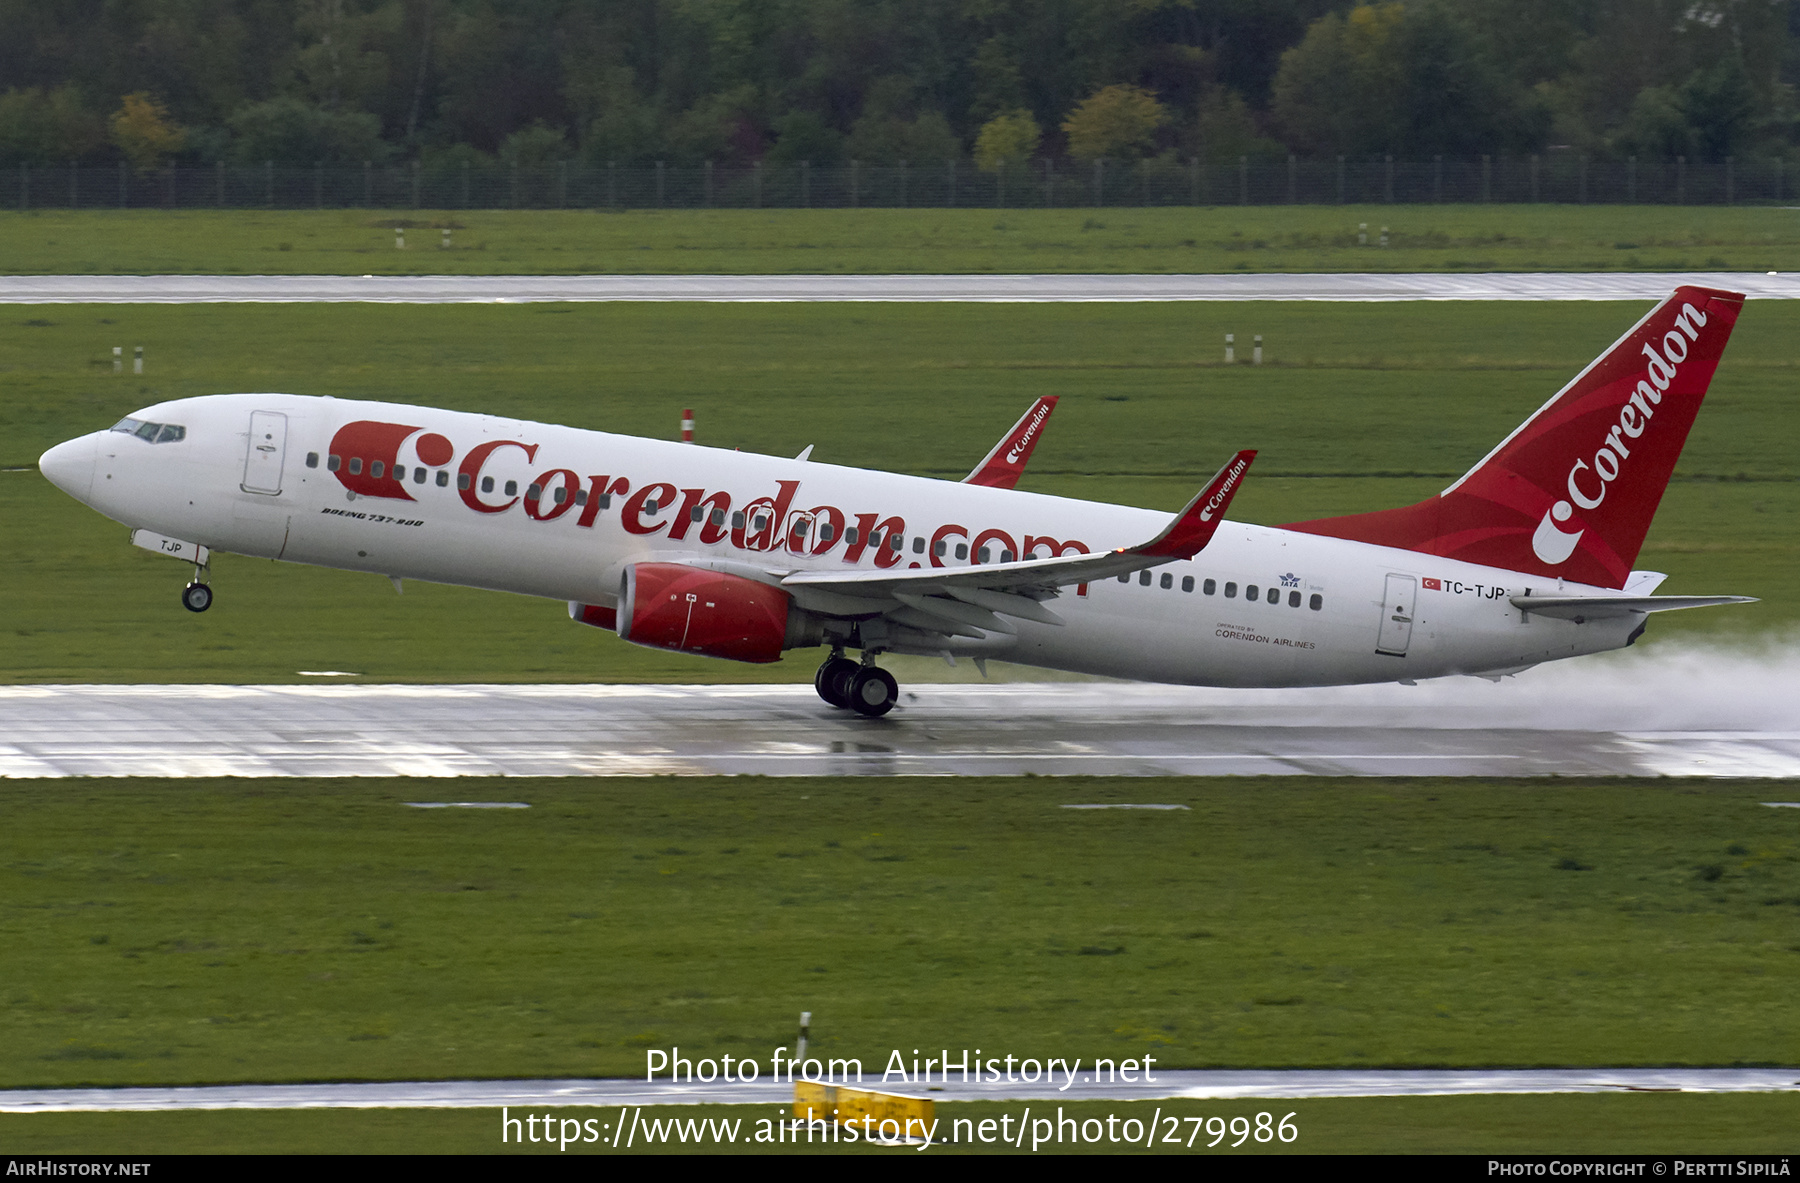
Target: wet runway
{"type": "Point", "coordinates": [450, 289]}
{"type": "Point", "coordinates": [1676, 713]}
{"type": "Point", "coordinates": [1192, 1085]}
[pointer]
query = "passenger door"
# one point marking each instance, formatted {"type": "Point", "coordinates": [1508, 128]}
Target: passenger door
{"type": "Point", "coordinates": [1397, 616]}
{"type": "Point", "coordinates": [266, 452]}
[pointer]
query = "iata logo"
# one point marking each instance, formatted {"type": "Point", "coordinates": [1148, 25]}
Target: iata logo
{"type": "Point", "coordinates": [1588, 483]}
{"type": "Point", "coordinates": [1026, 436]}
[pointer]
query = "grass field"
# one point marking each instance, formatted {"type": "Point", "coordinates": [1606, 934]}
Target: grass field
{"type": "Point", "coordinates": [209, 931]}
{"type": "Point", "coordinates": [1755, 1123]}
{"type": "Point", "coordinates": [1213, 239]}
{"type": "Point", "coordinates": [1361, 407]}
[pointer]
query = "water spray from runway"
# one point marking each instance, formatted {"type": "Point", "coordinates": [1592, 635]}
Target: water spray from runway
{"type": "Point", "coordinates": [1748, 684]}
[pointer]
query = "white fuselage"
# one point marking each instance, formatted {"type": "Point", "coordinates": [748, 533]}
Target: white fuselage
{"type": "Point", "coordinates": [1345, 612]}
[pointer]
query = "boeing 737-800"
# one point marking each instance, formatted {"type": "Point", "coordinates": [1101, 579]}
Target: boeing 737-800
{"type": "Point", "coordinates": [1527, 558]}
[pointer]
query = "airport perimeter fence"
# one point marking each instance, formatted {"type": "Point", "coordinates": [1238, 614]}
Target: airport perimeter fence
{"type": "Point", "coordinates": [1043, 184]}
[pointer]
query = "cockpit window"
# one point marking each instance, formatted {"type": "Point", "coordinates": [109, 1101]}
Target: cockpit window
{"type": "Point", "coordinates": [154, 433]}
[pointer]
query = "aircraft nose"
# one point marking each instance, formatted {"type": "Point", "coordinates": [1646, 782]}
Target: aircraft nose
{"type": "Point", "coordinates": [70, 466]}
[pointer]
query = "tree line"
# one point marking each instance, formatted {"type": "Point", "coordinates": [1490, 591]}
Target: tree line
{"type": "Point", "coordinates": [628, 82]}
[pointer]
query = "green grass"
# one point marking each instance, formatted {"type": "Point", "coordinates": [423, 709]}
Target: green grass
{"type": "Point", "coordinates": [1361, 407]}
{"type": "Point", "coordinates": [215, 930]}
{"type": "Point", "coordinates": [1452, 238]}
{"type": "Point", "coordinates": [1753, 1123]}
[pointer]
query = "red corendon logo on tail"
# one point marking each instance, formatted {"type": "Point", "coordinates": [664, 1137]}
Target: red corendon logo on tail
{"type": "Point", "coordinates": [1587, 483]}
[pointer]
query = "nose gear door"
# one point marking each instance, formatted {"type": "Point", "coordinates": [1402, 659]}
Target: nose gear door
{"type": "Point", "coordinates": [266, 452]}
{"type": "Point", "coordinates": [1397, 616]}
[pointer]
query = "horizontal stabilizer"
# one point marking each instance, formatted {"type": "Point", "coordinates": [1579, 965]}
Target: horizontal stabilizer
{"type": "Point", "coordinates": [1584, 608]}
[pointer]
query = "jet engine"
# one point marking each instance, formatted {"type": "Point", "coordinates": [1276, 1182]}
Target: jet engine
{"type": "Point", "coordinates": [689, 610]}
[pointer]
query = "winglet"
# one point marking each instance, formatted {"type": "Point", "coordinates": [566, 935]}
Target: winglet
{"type": "Point", "coordinates": [1193, 527]}
{"type": "Point", "coordinates": [1002, 467]}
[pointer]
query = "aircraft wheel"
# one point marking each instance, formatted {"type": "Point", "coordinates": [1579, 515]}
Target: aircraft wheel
{"type": "Point", "coordinates": [196, 597]}
{"type": "Point", "coordinates": [833, 681]}
{"type": "Point", "coordinates": [873, 691]}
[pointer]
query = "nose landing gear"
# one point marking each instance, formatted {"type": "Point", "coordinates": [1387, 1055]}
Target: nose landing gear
{"type": "Point", "coordinates": [866, 689]}
{"type": "Point", "coordinates": [197, 596]}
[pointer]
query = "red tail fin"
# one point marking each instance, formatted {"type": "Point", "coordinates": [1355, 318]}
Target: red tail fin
{"type": "Point", "coordinates": [1571, 493]}
{"type": "Point", "coordinates": [1001, 468]}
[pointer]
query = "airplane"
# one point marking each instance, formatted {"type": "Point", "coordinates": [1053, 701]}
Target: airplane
{"type": "Point", "coordinates": [1524, 559]}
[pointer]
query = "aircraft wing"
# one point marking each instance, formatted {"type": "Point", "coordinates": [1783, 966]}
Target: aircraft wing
{"type": "Point", "coordinates": [942, 598]}
{"type": "Point", "coordinates": [1002, 467]}
{"type": "Point", "coordinates": [1584, 608]}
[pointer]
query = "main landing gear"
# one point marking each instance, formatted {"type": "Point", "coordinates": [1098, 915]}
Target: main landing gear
{"type": "Point", "coordinates": [197, 596]}
{"type": "Point", "coordinates": [866, 689]}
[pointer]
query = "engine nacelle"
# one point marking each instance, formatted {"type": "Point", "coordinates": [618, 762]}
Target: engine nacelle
{"type": "Point", "coordinates": [689, 610]}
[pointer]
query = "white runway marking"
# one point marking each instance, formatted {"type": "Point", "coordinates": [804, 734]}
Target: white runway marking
{"type": "Point", "coordinates": [1674, 712]}
{"type": "Point", "coordinates": [509, 289]}
{"type": "Point", "coordinates": [1193, 1085]}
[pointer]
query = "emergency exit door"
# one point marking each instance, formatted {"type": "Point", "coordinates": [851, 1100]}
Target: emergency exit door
{"type": "Point", "coordinates": [1397, 616]}
{"type": "Point", "coordinates": [266, 451]}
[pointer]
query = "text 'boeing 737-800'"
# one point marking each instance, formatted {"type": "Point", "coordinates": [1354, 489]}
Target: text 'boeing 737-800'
{"type": "Point", "coordinates": [1527, 558]}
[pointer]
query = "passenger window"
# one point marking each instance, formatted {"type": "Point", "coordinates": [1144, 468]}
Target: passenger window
{"type": "Point", "coordinates": [376, 468]}
{"type": "Point", "coordinates": [487, 483]}
{"type": "Point", "coordinates": [1230, 591]}
{"type": "Point", "coordinates": [1317, 602]}
{"type": "Point", "coordinates": [919, 544]}
{"type": "Point", "coordinates": [1126, 578]}
{"type": "Point", "coordinates": [650, 506]}
{"type": "Point", "coordinates": [561, 494]}
{"type": "Point", "coordinates": [581, 497]}
{"type": "Point", "coordinates": [693, 516]}
{"type": "Point", "coordinates": [981, 556]}
{"type": "Point", "coordinates": [312, 460]}
{"type": "Point", "coordinates": [512, 488]}
{"type": "Point", "coordinates": [896, 541]}
{"type": "Point", "coordinates": [1252, 593]}
{"type": "Point", "coordinates": [1293, 599]}
{"type": "Point", "coordinates": [399, 472]}
{"type": "Point", "coordinates": [419, 476]}
{"type": "Point", "coordinates": [1168, 581]}
{"type": "Point", "coordinates": [939, 547]}
{"type": "Point", "coordinates": [606, 501]}
{"type": "Point", "coordinates": [1209, 587]}
{"type": "Point", "coordinates": [962, 550]}
{"type": "Point", "coordinates": [443, 478]}
{"type": "Point", "coordinates": [333, 463]}
{"type": "Point", "coordinates": [463, 481]}
{"type": "Point", "coordinates": [1187, 583]}
{"type": "Point", "coordinates": [356, 466]}
{"type": "Point", "coordinates": [1274, 596]}
{"type": "Point", "coordinates": [1006, 556]}
{"type": "Point", "coordinates": [1144, 578]}
{"type": "Point", "coordinates": [737, 520]}
{"type": "Point", "coordinates": [718, 519]}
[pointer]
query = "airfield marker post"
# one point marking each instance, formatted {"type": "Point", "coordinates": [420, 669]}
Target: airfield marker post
{"type": "Point", "coordinates": [1256, 350]}
{"type": "Point", "coordinates": [137, 359]}
{"type": "Point", "coordinates": [1230, 348]}
{"type": "Point", "coordinates": [118, 359]}
{"type": "Point", "coordinates": [687, 426]}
